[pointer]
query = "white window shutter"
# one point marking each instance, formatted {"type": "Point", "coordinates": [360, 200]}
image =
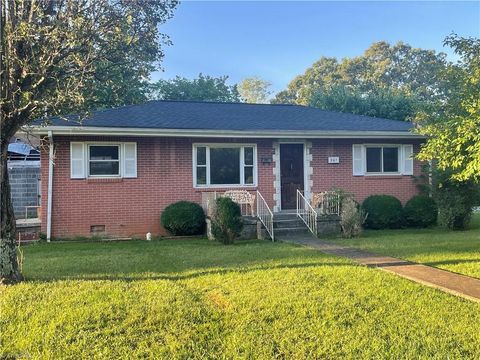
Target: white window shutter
{"type": "Point", "coordinates": [77, 160]}
{"type": "Point", "coordinates": [407, 159]}
{"type": "Point", "coordinates": [358, 160]}
{"type": "Point", "coordinates": [130, 160]}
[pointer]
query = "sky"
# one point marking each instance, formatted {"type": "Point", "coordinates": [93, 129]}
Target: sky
{"type": "Point", "coordinates": [278, 40]}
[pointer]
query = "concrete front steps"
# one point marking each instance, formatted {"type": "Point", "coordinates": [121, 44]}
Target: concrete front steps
{"type": "Point", "coordinates": [287, 223]}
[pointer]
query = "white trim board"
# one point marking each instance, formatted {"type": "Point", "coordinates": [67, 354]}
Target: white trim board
{"type": "Point", "coordinates": [285, 134]}
{"type": "Point", "coordinates": [207, 165]}
{"type": "Point", "coordinates": [306, 169]}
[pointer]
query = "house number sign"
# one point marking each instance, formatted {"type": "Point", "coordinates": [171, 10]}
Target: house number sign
{"type": "Point", "coordinates": [333, 160]}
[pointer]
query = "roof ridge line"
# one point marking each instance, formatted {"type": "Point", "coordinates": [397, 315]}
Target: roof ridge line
{"type": "Point", "coordinates": [220, 102]}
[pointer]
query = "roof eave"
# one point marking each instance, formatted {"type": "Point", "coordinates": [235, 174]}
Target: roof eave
{"type": "Point", "coordinates": [209, 133]}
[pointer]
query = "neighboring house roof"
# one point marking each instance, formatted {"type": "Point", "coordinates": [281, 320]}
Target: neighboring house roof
{"type": "Point", "coordinates": [216, 117]}
{"type": "Point", "coordinates": [20, 151]}
{"type": "Point", "coordinates": [20, 148]}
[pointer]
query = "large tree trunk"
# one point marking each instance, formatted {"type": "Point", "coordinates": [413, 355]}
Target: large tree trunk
{"type": "Point", "coordinates": [9, 271]}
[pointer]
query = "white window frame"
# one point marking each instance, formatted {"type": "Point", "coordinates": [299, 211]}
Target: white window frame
{"type": "Point", "coordinates": [381, 146]}
{"type": "Point", "coordinates": [120, 160]}
{"type": "Point", "coordinates": [208, 146]}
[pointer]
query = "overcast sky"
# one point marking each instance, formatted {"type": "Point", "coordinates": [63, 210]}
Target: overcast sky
{"type": "Point", "coordinates": [279, 40]}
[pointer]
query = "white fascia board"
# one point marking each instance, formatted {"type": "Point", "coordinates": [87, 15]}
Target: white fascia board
{"type": "Point", "coordinates": [202, 133]}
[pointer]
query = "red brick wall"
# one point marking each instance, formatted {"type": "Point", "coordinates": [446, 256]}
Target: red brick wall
{"type": "Point", "coordinates": [132, 207]}
{"type": "Point", "coordinates": [325, 176]}
{"type": "Point", "coordinates": [129, 207]}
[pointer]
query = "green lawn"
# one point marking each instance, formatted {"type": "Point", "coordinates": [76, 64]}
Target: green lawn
{"type": "Point", "coordinates": [457, 251]}
{"type": "Point", "coordinates": [199, 299]}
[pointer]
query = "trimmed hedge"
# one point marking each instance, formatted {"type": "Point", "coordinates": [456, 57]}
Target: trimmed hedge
{"type": "Point", "coordinates": [227, 222]}
{"type": "Point", "coordinates": [183, 218]}
{"type": "Point", "coordinates": [420, 211]}
{"type": "Point", "coordinates": [384, 211]}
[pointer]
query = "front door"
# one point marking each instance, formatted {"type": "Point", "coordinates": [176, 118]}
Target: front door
{"type": "Point", "coordinates": [291, 173]}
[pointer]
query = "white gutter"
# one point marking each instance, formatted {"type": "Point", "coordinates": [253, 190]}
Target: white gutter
{"type": "Point", "coordinates": [203, 133]}
{"type": "Point", "coordinates": [50, 186]}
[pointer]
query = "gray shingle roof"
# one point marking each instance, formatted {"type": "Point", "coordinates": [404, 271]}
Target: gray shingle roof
{"type": "Point", "coordinates": [232, 116]}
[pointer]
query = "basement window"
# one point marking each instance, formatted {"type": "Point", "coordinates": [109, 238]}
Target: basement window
{"type": "Point", "coordinates": [97, 229]}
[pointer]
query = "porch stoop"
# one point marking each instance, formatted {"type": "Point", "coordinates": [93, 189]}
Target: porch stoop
{"type": "Point", "coordinates": [287, 223]}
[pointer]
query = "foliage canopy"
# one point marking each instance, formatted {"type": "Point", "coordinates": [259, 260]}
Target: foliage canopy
{"type": "Point", "coordinates": [70, 56]}
{"type": "Point", "coordinates": [254, 90]}
{"type": "Point", "coordinates": [382, 103]}
{"type": "Point", "coordinates": [453, 129]}
{"type": "Point", "coordinates": [203, 88]}
{"type": "Point", "coordinates": [400, 67]}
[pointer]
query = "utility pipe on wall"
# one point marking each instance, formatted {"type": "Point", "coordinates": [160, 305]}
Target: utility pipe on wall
{"type": "Point", "coordinates": [50, 186]}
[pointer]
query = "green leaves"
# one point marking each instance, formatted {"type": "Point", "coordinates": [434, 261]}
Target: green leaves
{"type": "Point", "coordinates": [203, 88]}
{"type": "Point", "coordinates": [254, 90]}
{"type": "Point", "coordinates": [453, 130]}
{"type": "Point", "coordinates": [71, 56]}
{"type": "Point", "coordinates": [396, 68]}
{"type": "Point", "coordinates": [383, 103]}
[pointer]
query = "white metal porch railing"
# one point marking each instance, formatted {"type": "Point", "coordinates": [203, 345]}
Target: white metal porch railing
{"type": "Point", "coordinates": [330, 204]}
{"type": "Point", "coordinates": [307, 213]}
{"type": "Point", "coordinates": [265, 215]}
{"type": "Point", "coordinates": [244, 199]}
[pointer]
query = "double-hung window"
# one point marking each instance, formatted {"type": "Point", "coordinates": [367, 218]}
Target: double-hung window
{"type": "Point", "coordinates": [389, 159]}
{"type": "Point", "coordinates": [103, 160]}
{"type": "Point", "coordinates": [220, 165]}
{"type": "Point", "coordinates": [382, 159]}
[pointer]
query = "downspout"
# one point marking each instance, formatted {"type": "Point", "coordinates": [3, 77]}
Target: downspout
{"type": "Point", "coordinates": [50, 186]}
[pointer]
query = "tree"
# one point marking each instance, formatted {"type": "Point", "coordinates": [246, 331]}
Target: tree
{"type": "Point", "coordinates": [399, 68]}
{"type": "Point", "coordinates": [455, 199]}
{"type": "Point", "coordinates": [203, 88]}
{"type": "Point", "coordinates": [453, 129]}
{"type": "Point", "coordinates": [68, 56]}
{"type": "Point", "coordinates": [254, 90]}
{"type": "Point", "coordinates": [383, 103]}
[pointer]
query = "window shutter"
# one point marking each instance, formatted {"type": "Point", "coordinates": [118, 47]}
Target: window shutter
{"type": "Point", "coordinates": [407, 159]}
{"type": "Point", "coordinates": [130, 160]}
{"type": "Point", "coordinates": [77, 160]}
{"type": "Point", "coordinates": [358, 160]}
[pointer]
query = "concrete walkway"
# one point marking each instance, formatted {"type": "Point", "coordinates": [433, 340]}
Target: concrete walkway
{"type": "Point", "coordinates": [456, 284]}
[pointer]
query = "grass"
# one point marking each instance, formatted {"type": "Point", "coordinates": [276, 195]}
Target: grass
{"type": "Point", "coordinates": [457, 251]}
{"type": "Point", "coordinates": [198, 299]}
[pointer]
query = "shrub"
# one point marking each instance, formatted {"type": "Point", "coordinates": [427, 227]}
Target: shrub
{"type": "Point", "coordinates": [227, 220]}
{"type": "Point", "coordinates": [420, 211]}
{"type": "Point", "coordinates": [383, 211]}
{"type": "Point", "coordinates": [352, 218]}
{"type": "Point", "coordinates": [183, 218]}
{"type": "Point", "coordinates": [455, 203]}
{"type": "Point", "coordinates": [455, 199]}
{"type": "Point", "coordinates": [343, 195]}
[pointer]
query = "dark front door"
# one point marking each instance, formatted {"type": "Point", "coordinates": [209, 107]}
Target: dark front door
{"type": "Point", "coordinates": [291, 173]}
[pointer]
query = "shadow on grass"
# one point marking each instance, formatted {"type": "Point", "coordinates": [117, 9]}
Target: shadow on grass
{"type": "Point", "coordinates": [166, 259]}
{"type": "Point", "coordinates": [192, 275]}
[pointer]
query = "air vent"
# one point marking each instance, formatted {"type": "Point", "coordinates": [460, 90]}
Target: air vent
{"type": "Point", "coordinates": [97, 229]}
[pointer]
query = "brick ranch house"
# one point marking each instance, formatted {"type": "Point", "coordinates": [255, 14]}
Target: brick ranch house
{"type": "Point", "coordinates": [118, 169]}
